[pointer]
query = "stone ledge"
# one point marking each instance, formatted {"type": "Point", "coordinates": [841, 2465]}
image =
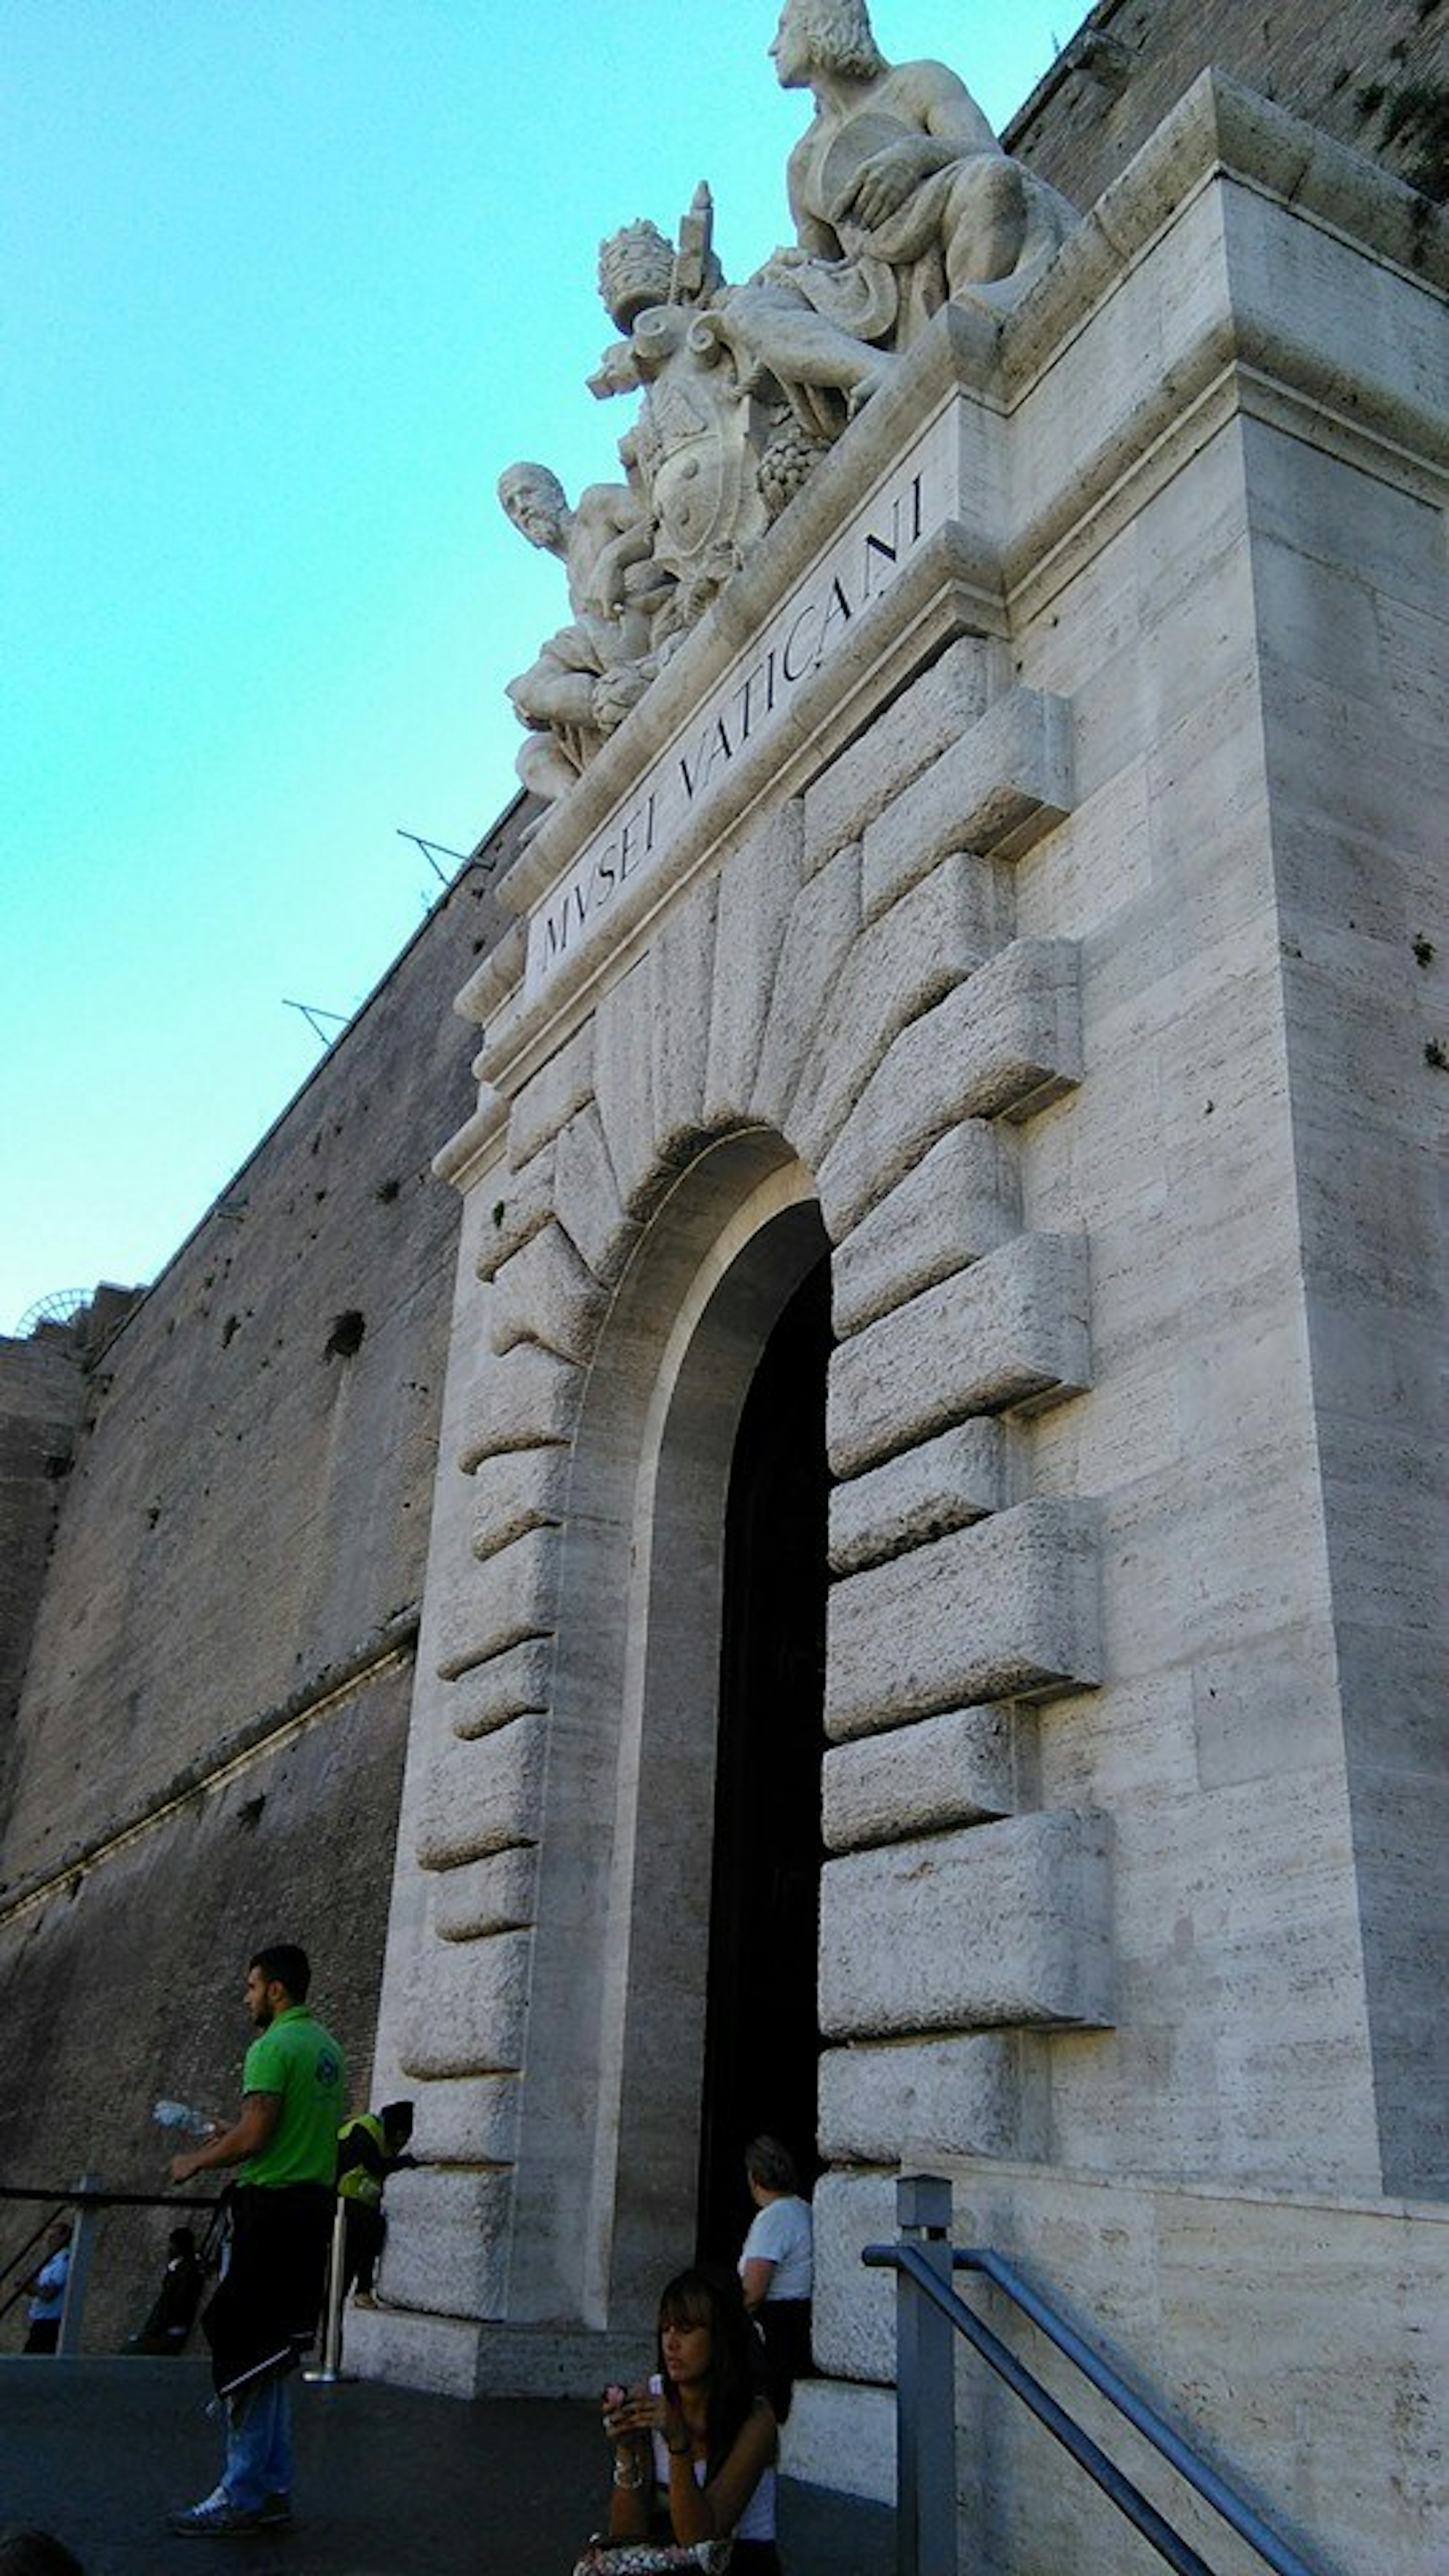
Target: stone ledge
{"type": "Point", "coordinates": [496, 1894]}
{"type": "Point", "coordinates": [483, 1796]}
{"type": "Point", "coordinates": [1004, 1044]}
{"type": "Point", "coordinates": [906, 2101]}
{"type": "Point", "coordinates": [954, 1769]}
{"type": "Point", "coordinates": [994, 792]}
{"type": "Point", "coordinates": [504, 1601]}
{"type": "Point", "coordinates": [927, 717]}
{"type": "Point", "coordinates": [961, 1201]}
{"type": "Point", "coordinates": [1000, 1925]}
{"type": "Point", "coordinates": [1006, 1610]}
{"type": "Point", "coordinates": [516, 1683]}
{"type": "Point", "coordinates": [469, 2007]}
{"type": "Point", "coordinates": [944, 1485]}
{"type": "Point", "coordinates": [1010, 1330]}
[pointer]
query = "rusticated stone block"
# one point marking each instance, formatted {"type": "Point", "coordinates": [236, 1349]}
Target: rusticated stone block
{"type": "Point", "coordinates": [469, 2006]}
{"type": "Point", "coordinates": [912, 2098]}
{"type": "Point", "coordinates": [1002, 1044]}
{"type": "Point", "coordinates": [508, 1685]}
{"type": "Point", "coordinates": [496, 1894]}
{"type": "Point", "coordinates": [624, 1088]}
{"type": "Point", "coordinates": [483, 1794]}
{"type": "Point", "coordinates": [681, 979]}
{"type": "Point", "coordinates": [520, 1210]}
{"type": "Point", "coordinates": [995, 789]}
{"type": "Point", "coordinates": [1011, 1329]}
{"type": "Point", "coordinates": [1006, 1610]}
{"type": "Point", "coordinates": [945, 702]}
{"type": "Point", "coordinates": [822, 929]}
{"type": "Point", "coordinates": [490, 1607]}
{"type": "Point", "coordinates": [519, 1490]}
{"type": "Point", "coordinates": [526, 1399]}
{"type": "Point", "coordinates": [959, 1203]}
{"type": "Point", "coordinates": [546, 1294]}
{"type": "Point", "coordinates": [549, 1099]}
{"type": "Point", "coordinates": [757, 886]}
{"type": "Point", "coordinates": [943, 1485]}
{"type": "Point", "coordinates": [469, 2120]}
{"type": "Point", "coordinates": [843, 2435]}
{"type": "Point", "coordinates": [447, 2248]}
{"type": "Point", "coordinates": [586, 1197]}
{"type": "Point", "coordinates": [955, 1769]}
{"type": "Point", "coordinates": [930, 942]}
{"type": "Point", "coordinates": [997, 1924]}
{"type": "Point", "coordinates": [854, 2323]}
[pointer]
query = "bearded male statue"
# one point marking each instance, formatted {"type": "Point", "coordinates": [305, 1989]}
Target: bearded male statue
{"type": "Point", "coordinates": [902, 197]}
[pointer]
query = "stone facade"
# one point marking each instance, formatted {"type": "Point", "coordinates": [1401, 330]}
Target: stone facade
{"type": "Point", "coordinates": [1021, 892]}
{"type": "Point", "coordinates": [1055, 950]}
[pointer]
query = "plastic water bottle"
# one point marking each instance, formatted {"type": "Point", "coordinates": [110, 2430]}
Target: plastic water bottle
{"type": "Point", "coordinates": [179, 2115]}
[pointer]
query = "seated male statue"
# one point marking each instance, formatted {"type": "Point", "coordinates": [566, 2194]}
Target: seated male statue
{"type": "Point", "coordinates": [902, 197]}
{"type": "Point", "coordinates": [588, 675]}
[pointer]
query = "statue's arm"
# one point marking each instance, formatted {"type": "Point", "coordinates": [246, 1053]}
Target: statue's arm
{"type": "Point", "coordinates": [604, 589]}
{"type": "Point", "coordinates": [951, 127]}
{"type": "Point", "coordinates": [945, 107]}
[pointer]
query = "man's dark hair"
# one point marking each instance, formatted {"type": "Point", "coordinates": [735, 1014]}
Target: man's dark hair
{"type": "Point", "coordinates": [34, 2553]}
{"type": "Point", "coordinates": [282, 1963]}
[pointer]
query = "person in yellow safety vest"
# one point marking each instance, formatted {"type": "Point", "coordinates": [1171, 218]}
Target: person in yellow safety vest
{"type": "Point", "coordinates": [370, 2146]}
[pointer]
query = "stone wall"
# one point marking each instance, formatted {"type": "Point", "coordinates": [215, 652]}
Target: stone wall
{"type": "Point", "coordinates": [1372, 73]}
{"type": "Point", "coordinates": [209, 1741]}
{"type": "Point", "coordinates": [42, 1396]}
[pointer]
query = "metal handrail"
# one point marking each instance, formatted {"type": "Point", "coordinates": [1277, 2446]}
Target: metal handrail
{"type": "Point", "coordinates": [926, 2529]}
{"type": "Point", "coordinates": [86, 2197]}
{"type": "Point", "coordinates": [94, 2196]}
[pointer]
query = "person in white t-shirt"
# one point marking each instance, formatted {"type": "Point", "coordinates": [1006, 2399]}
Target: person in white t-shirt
{"type": "Point", "coordinates": [777, 2267]}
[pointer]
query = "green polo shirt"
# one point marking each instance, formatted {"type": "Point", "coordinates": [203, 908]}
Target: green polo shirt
{"type": "Point", "coordinates": [302, 2062]}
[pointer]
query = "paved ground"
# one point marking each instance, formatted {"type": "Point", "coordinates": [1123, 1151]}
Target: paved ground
{"type": "Point", "coordinates": [388, 2481]}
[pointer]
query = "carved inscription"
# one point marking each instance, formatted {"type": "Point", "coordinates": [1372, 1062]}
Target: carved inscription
{"type": "Point", "coordinates": [798, 641]}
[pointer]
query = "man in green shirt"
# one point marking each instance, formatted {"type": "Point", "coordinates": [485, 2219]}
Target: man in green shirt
{"type": "Point", "coordinates": [264, 2314]}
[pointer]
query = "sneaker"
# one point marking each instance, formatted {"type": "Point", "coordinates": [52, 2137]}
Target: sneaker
{"type": "Point", "coordinates": [274, 2513]}
{"type": "Point", "coordinates": [215, 2518]}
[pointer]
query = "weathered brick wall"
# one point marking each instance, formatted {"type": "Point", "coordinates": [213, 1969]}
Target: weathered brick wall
{"type": "Point", "coordinates": [1373, 73]}
{"type": "Point", "coordinates": [209, 1739]}
{"type": "Point", "coordinates": [42, 1394]}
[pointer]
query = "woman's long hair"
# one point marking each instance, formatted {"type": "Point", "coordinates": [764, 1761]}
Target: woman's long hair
{"type": "Point", "coordinates": [705, 2297]}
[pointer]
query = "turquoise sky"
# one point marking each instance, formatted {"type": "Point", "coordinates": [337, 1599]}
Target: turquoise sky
{"type": "Point", "coordinates": [289, 281]}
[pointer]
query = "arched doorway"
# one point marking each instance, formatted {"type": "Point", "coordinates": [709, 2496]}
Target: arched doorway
{"type": "Point", "coordinates": [617, 2073]}
{"type": "Point", "coordinates": [761, 2035]}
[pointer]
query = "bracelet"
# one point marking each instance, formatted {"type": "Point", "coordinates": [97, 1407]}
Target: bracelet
{"type": "Point", "coordinates": [679, 2450]}
{"type": "Point", "coordinates": [628, 2476]}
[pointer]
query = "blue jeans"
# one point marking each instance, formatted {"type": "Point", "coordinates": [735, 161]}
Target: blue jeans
{"type": "Point", "coordinates": [259, 2444]}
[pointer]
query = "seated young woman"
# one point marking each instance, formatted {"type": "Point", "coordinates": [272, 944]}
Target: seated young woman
{"type": "Point", "coordinates": [694, 2452]}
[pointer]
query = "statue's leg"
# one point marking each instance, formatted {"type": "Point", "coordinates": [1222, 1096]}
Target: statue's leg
{"type": "Point", "coordinates": [1002, 226]}
{"type": "Point", "coordinates": [985, 222]}
{"type": "Point", "coordinates": [545, 768]}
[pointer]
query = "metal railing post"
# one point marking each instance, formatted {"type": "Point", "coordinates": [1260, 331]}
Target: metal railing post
{"type": "Point", "coordinates": [82, 2246]}
{"type": "Point", "coordinates": [329, 2369]}
{"type": "Point", "coordinates": [925, 2389]}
